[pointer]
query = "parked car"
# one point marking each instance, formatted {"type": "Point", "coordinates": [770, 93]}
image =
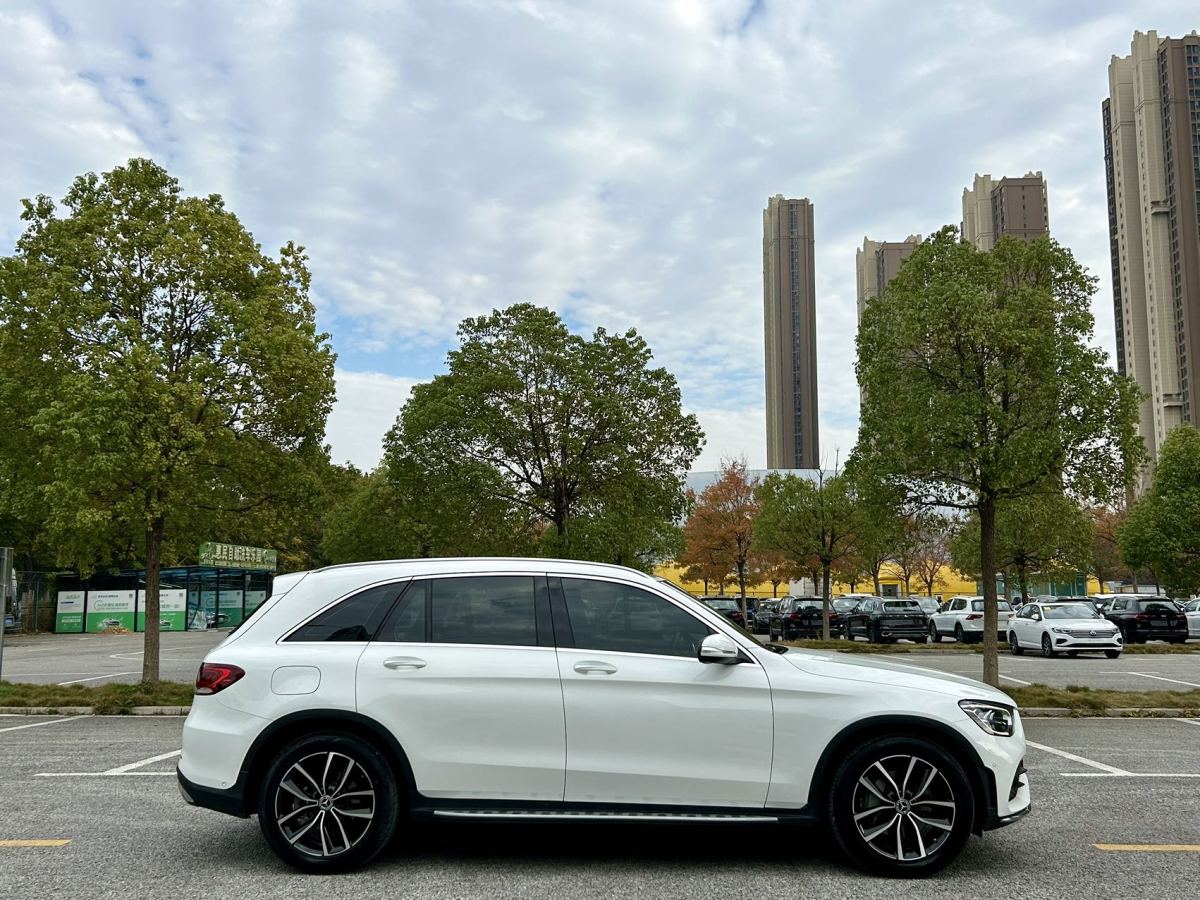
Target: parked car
{"type": "Point", "coordinates": [884, 621]}
{"type": "Point", "coordinates": [363, 698]}
{"type": "Point", "coordinates": [844, 605]}
{"type": "Point", "coordinates": [796, 617]}
{"type": "Point", "coordinates": [1144, 618]}
{"type": "Point", "coordinates": [962, 618]}
{"type": "Point", "coordinates": [1062, 627]}
{"type": "Point", "coordinates": [1192, 614]}
{"type": "Point", "coordinates": [762, 615]}
{"type": "Point", "coordinates": [929, 605]}
{"type": "Point", "coordinates": [729, 607]}
{"type": "Point", "coordinates": [216, 620]}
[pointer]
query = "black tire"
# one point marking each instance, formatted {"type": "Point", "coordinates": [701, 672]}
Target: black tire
{"type": "Point", "coordinates": [325, 756]}
{"type": "Point", "coordinates": [848, 798]}
{"type": "Point", "coordinates": [959, 635]}
{"type": "Point", "coordinates": [1112, 654]}
{"type": "Point", "coordinates": [1013, 647]}
{"type": "Point", "coordinates": [1048, 650]}
{"type": "Point", "coordinates": [934, 636]}
{"type": "Point", "coordinates": [876, 634]}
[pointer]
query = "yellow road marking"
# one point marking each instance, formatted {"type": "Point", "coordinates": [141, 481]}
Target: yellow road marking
{"type": "Point", "coordinates": [53, 842]}
{"type": "Point", "coordinates": [1150, 848]}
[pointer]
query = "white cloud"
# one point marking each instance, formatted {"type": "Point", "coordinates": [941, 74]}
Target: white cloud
{"type": "Point", "coordinates": [367, 406]}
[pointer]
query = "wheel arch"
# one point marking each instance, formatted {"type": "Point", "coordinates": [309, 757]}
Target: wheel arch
{"type": "Point", "coordinates": [296, 725]}
{"type": "Point", "coordinates": [980, 777]}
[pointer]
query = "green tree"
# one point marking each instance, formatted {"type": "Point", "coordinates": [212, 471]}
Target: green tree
{"type": "Point", "coordinates": [993, 347]}
{"type": "Point", "coordinates": [1046, 533]}
{"type": "Point", "coordinates": [1162, 532]}
{"type": "Point", "coordinates": [158, 372]}
{"type": "Point", "coordinates": [721, 523]}
{"type": "Point", "coordinates": [582, 437]}
{"type": "Point", "coordinates": [807, 521]}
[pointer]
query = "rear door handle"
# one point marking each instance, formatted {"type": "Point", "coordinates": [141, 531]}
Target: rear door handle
{"type": "Point", "coordinates": [404, 662]}
{"type": "Point", "coordinates": [594, 667]}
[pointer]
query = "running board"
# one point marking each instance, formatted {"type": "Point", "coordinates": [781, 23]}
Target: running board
{"type": "Point", "coordinates": [597, 816]}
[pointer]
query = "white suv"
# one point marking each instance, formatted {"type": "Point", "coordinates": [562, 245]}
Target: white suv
{"type": "Point", "coordinates": [962, 617]}
{"type": "Point", "coordinates": [358, 697]}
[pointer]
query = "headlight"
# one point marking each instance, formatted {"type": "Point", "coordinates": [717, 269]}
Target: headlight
{"type": "Point", "coordinates": [994, 718]}
{"type": "Point", "coordinates": [1058, 630]}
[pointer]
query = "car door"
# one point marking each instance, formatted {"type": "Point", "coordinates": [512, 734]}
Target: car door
{"type": "Point", "coordinates": [647, 722]}
{"type": "Point", "coordinates": [1021, 623]}
{"type": "Point", "coordinates": [464, 674]}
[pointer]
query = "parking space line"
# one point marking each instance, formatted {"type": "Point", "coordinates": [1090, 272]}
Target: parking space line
{"type": "Point", "coordinates": [1189, 721]}
{"type": "Point", "coordinates": [121, 770]}
{"type": "Point", "coordinates": [1111, 770]}
{"type": "Point", "coordinates": [40, 842]}
{"type": "Point", "coordinates": [1130, 774]}
{"type": "Point", "coordinates": [1017, 680]}
{"type": "Point", "coordinates": [1160, 678]}
{"type": "Point", "coordinates": [38, 724]}
{"type": "Point", "coordinates": [94, 678]}
{"type": "Point", "coordinates": [1149, 848]}
{"type": "Point", "coordinates": [104, 774]}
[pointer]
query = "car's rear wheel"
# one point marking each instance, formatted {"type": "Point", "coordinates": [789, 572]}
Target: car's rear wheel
{"type": "Point", "coordinates": [876, 634]}
{"type": "Point", "coordinates": [933, 633]}
{"type": "Point", "coordinates": [959, 634]}
{"type": "Point", "coordinates": [901, 806]}
{"type": "Point", "coordinates": [328, 803]}
{"type": "Point", "coordinates": [1015, 648]}
{"type": "Point", "coordinates": [1048, 650]}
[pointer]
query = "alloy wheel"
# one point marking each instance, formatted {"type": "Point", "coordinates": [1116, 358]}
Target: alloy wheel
{"type": "Point", "coordinates": [904, 808]}
{"type": "Point", "coordinates": [325, 804]}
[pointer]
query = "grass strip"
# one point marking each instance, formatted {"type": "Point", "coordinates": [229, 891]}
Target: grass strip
{"type": "Point", "coordinates": [1090, 701]}
{"type": "Point", "coordinates": [844, 646]}
{"type": "Point", "coordinates": [106, 699]}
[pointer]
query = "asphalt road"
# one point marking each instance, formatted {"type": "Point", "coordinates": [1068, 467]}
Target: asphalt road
{"type": "Point", "coordinates": [98, 659]}
{"type": "Point", "coordinates": [130, 834]}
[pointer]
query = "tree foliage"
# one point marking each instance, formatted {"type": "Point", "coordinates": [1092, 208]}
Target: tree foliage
{"type": "Point", "coordinates": [1104, 559]}
{"type": "Point", "coordinates": [720, 529]}
{"type": "Point", "coordinates": [993, 347]}
{"type": "Point", "coordinates": [1163, 528]}
{"type": "Point", "coordinates": [809, 522]}
{"type": "Point", "coordinates": [158, 372]}
{"type": "Point", "coordinates": [581, 438]}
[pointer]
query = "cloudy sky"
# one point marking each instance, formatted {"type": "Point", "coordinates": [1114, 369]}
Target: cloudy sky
{"type": "Point", "coordinates": [610, 160]}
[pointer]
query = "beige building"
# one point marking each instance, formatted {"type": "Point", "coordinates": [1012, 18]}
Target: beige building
{"type": "Point", "coordinates": [1015, 206]}
{"type": "Point", "coordinates": [1152, 160]}
{"type": "Point", "coordinates": [877, 263]}
{"type": "Point", "coordinates": [790, 332]}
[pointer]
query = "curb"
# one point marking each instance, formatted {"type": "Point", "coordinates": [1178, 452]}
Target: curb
{"type": "Point", "coordinates": [91, 711]}
{"type": "Point", "coordinates": [1146, 712]}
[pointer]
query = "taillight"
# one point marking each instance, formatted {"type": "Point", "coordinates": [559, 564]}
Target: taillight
{"type": "Point", "coordinates": [973, 616]}
{"type": "Point", "coordinates": [794, 616]}
{"type": "Point", "coordinates": [1141, 617]}
{"type": "Point", "coordinates": [215, 677]}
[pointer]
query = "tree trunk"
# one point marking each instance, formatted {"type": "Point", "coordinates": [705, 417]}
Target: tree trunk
{"type": "Point", "coordinates": [741, 569]}
{"type": "Point", "coordinates": [774, 588]}
{"type": "Point", "coordinates": [875, 578]}
{"type": "Point", "coordinates": [991, 619]}
{"type": "Point", "coordinates": [154, 541]}
{"type": "Point", "coordinates": [825, 602]}
{"type": "Point", "coordinates": [1023, 582]}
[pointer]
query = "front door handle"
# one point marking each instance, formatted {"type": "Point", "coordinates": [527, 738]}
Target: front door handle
{"type": "Point", "coordinates": [404, 662]}
{"type": "Point", "coordinates": [594, 667]}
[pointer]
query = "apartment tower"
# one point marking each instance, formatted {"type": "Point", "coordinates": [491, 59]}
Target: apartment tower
{"type": "Point", "coordinates": [877, 263]}
{"type": "Point", "coordinates": [1152, 161]}
{"type": "Point", "coordinates": [790, 330]}
{"type": "Point", "coordinates": [1010, 206]}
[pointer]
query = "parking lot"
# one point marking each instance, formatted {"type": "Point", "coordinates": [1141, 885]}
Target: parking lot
{"type": "Point", "coordinates": [100, 791]}
{"type": "Point", "coordinates": [101, 659]}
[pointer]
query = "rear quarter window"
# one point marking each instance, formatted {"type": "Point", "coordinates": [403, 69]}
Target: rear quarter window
{"type": "Point", "coordinates": [356, 618]}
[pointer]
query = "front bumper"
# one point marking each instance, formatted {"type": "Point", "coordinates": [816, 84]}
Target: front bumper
{"type": "Point", "coordinates": [1100, 642]}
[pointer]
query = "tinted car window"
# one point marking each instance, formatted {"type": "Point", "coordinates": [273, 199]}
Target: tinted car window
{"type": "Point", "coordinates": [408, 621]}
{"type": "Point", "coordinates": [618, 617]}
{"type": "Point", "coordinates": [1001, 605]}
{"type": "Point", "coordinates": [901, 605]}
{"type": "Point", "coordinates": [354, 619]}
{"type": "Point", "coordinates": [490, 609]}
{"type": "Point", "coordinates": [1158, 606]}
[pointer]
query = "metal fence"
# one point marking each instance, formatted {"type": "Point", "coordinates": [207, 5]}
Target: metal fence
{"type": "Point", "coordinates": [34, 602]}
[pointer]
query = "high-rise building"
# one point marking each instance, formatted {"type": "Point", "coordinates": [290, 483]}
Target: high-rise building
{"type": "Point", "coordinates": [877, 263]}
{"type": "Point", "coordinates": [1016, 206]}
{"type": "Point", "coordinates": [790, 330]}
{"type": "Point", "coordinates": [1152, 161]}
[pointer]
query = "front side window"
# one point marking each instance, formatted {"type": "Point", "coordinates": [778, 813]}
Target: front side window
{"type": "Point", "coordinates": [605, 615]}
{"type": "Point", "coordinates": [354, 619]}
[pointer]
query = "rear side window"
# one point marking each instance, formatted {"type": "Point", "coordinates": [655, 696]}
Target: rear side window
{"type": "Point", "coordinates": [356, 618]}
{"type": "Point", "coordinates": [490, 609]}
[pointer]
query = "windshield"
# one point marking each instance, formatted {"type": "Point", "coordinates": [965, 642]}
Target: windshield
{"type": "Point", "coordinates": [722, 604]}
{"type": "Point", "coordinates": [1069, 611]}
{"type": "Point", "coordinates": [977, 606]}
{"type": "Point", "coordinates": [1158, 606]}
{"type": "Point", "coordinates": [901, 605]}
{"type": "Point", "coordinates": [808, 604]}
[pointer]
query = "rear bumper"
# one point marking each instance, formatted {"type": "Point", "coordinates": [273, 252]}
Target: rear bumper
{"type": "Point", "coordinates": [230, 801]}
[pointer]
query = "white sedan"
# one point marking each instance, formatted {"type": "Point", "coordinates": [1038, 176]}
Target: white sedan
{"type": "Point", "coordinates": [1191, 609]}
{"type": "Point", "coordinates": [1068, 628]}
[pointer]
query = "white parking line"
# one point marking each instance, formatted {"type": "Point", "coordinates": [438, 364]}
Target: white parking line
{"type": "Point", "coordinates": [121, 770]}
{"type": "Point", "coordinates": [1110, 770]}
{"type": "Point", "coordinates": [1130, 774]}
{"type": "Point", "coordinates": [1160, 678]}
{"type": "Point", "coordinates": [1189, 721]}
{"type": "Point", "coordinates": [100, 774]}
{"type": "Point", "coordinates": [37, 724]}
{"type": "Point", "coordinates": [94, 678]}
{"type": "Point", "coordinates": [1017, 680]}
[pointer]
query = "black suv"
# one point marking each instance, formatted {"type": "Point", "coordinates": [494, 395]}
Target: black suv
{"type": "Point", "coordinates": [882, 621]}
{"type": "Point", "coordinates": [761, 617]}
{"type": "Point", "coordinates": [801, 617]}
{"type": "Point", "coordinates": [729, 607]}
{"type": "Point", "coordinates": [1144, 619]}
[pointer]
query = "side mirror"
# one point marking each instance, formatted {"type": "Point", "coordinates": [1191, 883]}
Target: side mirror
{"type": "Point", "coordinates": [1037, 617]}
{"type": "Point", "coordinates": [719, 648]}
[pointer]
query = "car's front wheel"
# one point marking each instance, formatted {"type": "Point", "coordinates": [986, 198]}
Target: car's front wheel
{"type": "Point", "coordinates": [1048, 650]}
{"type": "Point", "coordinates": [901, 806]}
{"type": "Point", "coordinates": [329, 803]}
